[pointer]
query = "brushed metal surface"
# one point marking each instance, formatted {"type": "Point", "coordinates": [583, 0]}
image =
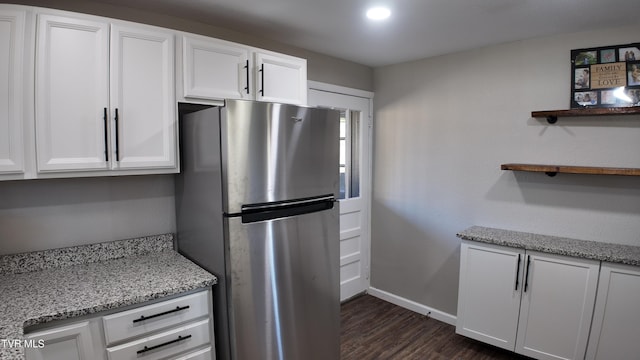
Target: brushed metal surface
{"type": "Point", "coordinates": [284, 288]}
{"type": "Point", "coordinates": [198, 196]}
{"type": "Point", "coordinates": [278, 295]}
{"type": "Point", "coordinates": [274, 152]}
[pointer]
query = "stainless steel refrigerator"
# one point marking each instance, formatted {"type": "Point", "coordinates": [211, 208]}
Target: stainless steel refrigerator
{"type": "Point", "coordinates": [256, 206]}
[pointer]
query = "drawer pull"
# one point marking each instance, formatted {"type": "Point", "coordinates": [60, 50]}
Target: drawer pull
{"type": "Point", "coordinates": [526, 274]}
{"type": "Point", "coordinates": [517, 271]}
{"type": "Point", "coordinates": [247, 67]}
{"type": "Point", "coordinates": [262, 79]}
{"type": "Point", "coordinates": [143, 318]}
{"type": "Point", "coordinates": [146, 348]}
{"type": "Point", "coordinates": [117, 118]}
{"type": "Point", "coordinates": [106, 136]}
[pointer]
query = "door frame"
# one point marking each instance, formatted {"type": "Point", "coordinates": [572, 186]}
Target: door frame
{"type": "Point", "coordinates": [365, 175]}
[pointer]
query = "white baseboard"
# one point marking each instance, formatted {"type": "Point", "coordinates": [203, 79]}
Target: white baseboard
{"type": "Point", "coordinates": [413, 306]}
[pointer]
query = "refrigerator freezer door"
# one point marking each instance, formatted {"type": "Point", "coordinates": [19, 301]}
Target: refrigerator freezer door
{"type": "Point", "coordinates": [284, 291]}
{"type": "Point", "coordinates": [274, 152]}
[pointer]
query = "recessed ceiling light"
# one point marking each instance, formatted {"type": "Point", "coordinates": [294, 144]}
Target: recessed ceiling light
{"type": "Point", "coordinates": [378, 13]}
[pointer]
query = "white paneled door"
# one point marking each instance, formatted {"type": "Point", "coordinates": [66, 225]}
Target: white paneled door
{"type": "Point", "coordinates": [11, 98]}
{"type": "Point", "coordinates": [560, 295]}
{"type": "Point", "coordinates": [142, 97]}
{"type": "Point", "coordinates": [215, 69]}
{"type": "Point", "coordinates": [280, 78]}
{"type": "Point", "coordinates": [616, 318]}
{"type": "Point", "coordinates": [355, 174]}
{"type": "Point", "coordinates": [72, 93]}
{"type": "Point", "coordinates": [490, 316]}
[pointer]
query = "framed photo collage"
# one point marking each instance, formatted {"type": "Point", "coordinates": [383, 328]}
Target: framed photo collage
{"type": "Point", "coordinates": [606, 76]}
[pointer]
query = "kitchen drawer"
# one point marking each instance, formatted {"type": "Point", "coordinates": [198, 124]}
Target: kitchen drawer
{"type": "Point", "coordinates": [165, 344]}
{"type": "Point", "coordinates": [142, 320]}
{"type": "Point", "coordinates": [204, 354]}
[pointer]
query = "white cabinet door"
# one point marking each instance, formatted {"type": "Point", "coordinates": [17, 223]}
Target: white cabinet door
{"type": "Point", "coordinates": [616, 319]}
{"type": "Point", "coordinates": [557, 306]}
{"type": "Point", "coordinates": [12, 25]}
{"type": "Point", "coordinates": [215, 69]}
{"type": "Point", "coordinates": [489, 293]}
{"type": "Point", "coordinates": [143, 97]}
{"type": "Point", "coordinates": [71, 342]}
{"type": "Point", "coordinates": [71, 94]}
{"type": "Point", "coordinates": [280, 78]}
{"type": "Point", "coordinates": [211, 70]}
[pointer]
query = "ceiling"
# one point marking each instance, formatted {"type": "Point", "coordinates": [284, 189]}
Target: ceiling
{"type": "Point", "coordinates": [416, 29]}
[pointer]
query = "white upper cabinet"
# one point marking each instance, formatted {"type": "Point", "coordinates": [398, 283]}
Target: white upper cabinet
{"type": "Point", "coordinates": [142, 98]}
{"type": "Point", "coordinates": [83, 95]}
{"type": "Point", "coordinates": [12, 40]}
{"type": "Point", "coordinates": [105, 96]}
{"type": "Point", "coordinates": [280, 78]}
{"type": "Point", "coordinates": [72, 94]}
{"type": "Point", "coordinates": [213, 70]}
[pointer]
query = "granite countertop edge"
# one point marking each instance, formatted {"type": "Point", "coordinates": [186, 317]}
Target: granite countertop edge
{"type": "Point", "coordinates": [147, 269]}
{"type": "Point", "coordinates": [586, 249]}
{"type": "Point", "coordinates": [115, 304]}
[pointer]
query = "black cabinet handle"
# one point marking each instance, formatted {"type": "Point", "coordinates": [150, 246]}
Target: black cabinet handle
{"type": "Point", "coordinates": [143, 318]}
{"type": "Point", "coordinates": [517, 272]}
{"type": "Point", "coordinates": [117, 137]}
{"type": "Point", "coordinates": [147, 348]}
{"type": "Point", "coordinates": [106, 136]}
{"type": "Point", "coordinates": [262, 79]}
{"type": "Point", "coordinates": [246, 67]}
{"type": "Point", "coordinates": [526, 274]}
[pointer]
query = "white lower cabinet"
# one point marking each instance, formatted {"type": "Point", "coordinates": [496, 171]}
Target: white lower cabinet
{"type": "Point", "coordinates": [557, 306]}
{"type": "Point", "coordinates": [179, 328]}
{"type": "Point", "coordinates": [489, 294]}
{"type": "Point", "coordinates": [168, 343]}
{"type": "Point", "coordinates": [204, 354]}
{"type": "Point", "coordinates": [616, 318]}
{"type": "Point", "coordinates": [535, 304]}
{"type": "Point", "coordinates": [70, 342]}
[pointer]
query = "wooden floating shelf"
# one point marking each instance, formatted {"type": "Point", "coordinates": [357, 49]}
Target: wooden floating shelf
{"type": "Point", "coordinates": [553, 115]}
{"type": "Point", "coordinates": [552, 170]}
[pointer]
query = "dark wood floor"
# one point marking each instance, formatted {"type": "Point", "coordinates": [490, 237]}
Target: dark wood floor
{"type": "Point", "coordinates": [375, 329]}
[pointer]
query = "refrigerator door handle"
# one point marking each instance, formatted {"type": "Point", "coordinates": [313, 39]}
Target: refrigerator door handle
{"type": "Point", "coordinates": [269, 211]}
{"type": "Point", "coordinates": [288, 203]}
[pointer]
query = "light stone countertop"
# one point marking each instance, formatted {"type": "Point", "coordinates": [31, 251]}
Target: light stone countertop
{"type": "Point", "coordinates": [116, 274]}
{"type": "Point", "coordinates": [615, 253]}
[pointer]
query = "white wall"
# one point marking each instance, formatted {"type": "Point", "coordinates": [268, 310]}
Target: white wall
{"type": "Point", "coordinates": [443, 127]}
{"type": "Point", "coordinates": [53, 213]}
